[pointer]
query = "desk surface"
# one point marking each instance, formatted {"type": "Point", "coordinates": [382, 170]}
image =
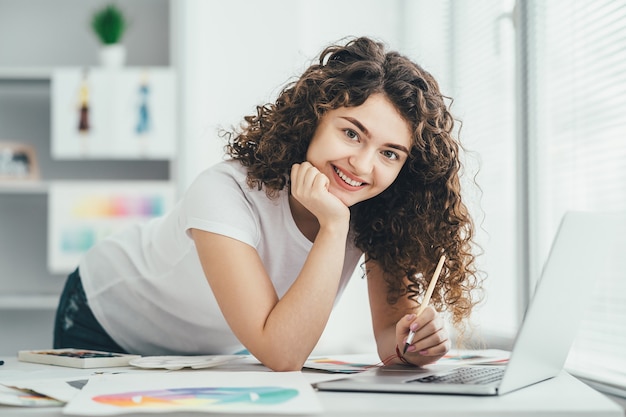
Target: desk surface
{"type": "Point", "coordinates": [560, 396]}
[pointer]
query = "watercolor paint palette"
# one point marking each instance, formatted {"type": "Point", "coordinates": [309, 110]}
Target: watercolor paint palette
{"type": "Point", "coordinates": [76, 358]}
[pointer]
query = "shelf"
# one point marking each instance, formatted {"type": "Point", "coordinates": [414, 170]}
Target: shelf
{"type": "Point", "coordinates": [45, 73]}
{"type": "Point", "coordinates": [25, 73]}
{"type": "Point", "coordinates": [29, 302]}
{"type": "Point", "coordinates": [43, 187]}
{"type": "Point", "coordinates": [23, 187]}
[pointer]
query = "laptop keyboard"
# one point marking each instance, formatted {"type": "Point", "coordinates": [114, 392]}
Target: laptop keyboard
{"type": "Point", "coordinates": [466, 375]}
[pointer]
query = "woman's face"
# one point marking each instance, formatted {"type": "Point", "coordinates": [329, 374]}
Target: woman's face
{"type": "Point", "coordinates": [360, 149]}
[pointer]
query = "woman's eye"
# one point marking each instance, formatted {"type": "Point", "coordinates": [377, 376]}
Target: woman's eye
{"type": "Point", "coordinates": [351, 134]}
{"type": "Point", "coordinates": [391, 155]}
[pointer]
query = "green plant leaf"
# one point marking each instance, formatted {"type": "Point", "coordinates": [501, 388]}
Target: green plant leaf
{"type": "Point", "coordinates": [109, 24]}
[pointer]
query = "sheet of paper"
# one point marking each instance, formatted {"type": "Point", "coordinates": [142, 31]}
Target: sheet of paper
{"type": "Point", "coordinates": [23, 398]}
{"type": "Point", "coordinates": [349, 364]}
{"type": "Point", "coordinates": [475, 357]}
{"type": "Point", "coordinates": [61, 389]}
{"type": "Point", "coordinates": [203, 391]}
{"type": "Point", "coordinates": [58, 382]}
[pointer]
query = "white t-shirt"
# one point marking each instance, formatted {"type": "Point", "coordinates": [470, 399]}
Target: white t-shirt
{"type": "Point", "coordinates": [146, 286]}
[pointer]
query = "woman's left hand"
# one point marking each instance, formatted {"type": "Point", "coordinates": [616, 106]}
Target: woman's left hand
{"type": "Point", "coordinates": [310, 187]}
{"type": "Point", "coordinates": [431, 340]}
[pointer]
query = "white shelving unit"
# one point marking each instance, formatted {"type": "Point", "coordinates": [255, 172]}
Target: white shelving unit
{"type": "Point", "coordinates": [29, 292]}
{"type": "Point", "coordinates": [29, 89]}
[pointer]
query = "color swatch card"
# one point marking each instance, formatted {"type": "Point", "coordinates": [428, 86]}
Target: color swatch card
{"type": "Point", "coordinates": [80, 214]}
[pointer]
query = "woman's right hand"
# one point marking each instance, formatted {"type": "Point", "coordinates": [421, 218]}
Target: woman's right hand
{"type": "Point", "coordinates": [310, 188]}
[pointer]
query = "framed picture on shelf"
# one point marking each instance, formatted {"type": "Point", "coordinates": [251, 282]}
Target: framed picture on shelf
{"type": "Point", "coordinates": [18, 162]}
{"type": "Point", "coordinates": [126, 113]}
{"type": "Point", "coordinates": [82, 213]}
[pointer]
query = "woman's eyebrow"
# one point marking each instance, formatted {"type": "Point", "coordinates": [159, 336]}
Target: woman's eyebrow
{"type": "Point", "coordinates": [363, 129]}
{"type": "Point", "coordinates": [398, 147]}
{"type": "Point", "coordinates": [358, 124]}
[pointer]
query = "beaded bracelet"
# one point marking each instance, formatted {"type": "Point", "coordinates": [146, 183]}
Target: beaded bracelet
{"type": "Point", "coordinates": [402, 358]}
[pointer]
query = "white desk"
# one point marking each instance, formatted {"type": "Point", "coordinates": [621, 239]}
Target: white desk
{"type": "Point", "coordinates": [561, 396]}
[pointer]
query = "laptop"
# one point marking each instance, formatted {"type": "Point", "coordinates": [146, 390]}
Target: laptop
{"type": "Point", "coordinates": [544, 339]}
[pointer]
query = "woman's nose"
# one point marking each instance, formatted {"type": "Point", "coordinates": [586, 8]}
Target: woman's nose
{"type": "Point", "coordinates": [362, 161]}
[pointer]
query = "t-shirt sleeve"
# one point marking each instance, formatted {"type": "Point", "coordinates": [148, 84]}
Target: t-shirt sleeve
{"type": "Point", "coordinates": [217, 202]}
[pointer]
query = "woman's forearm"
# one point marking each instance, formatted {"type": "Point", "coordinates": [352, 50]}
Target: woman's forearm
{"type": "Point", "coordinates": [296, 322]}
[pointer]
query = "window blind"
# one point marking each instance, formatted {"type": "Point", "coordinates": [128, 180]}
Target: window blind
{"type": "Point", "coordinates": [577, 83]}
{"type": "Point", "coordinates": [482, 70]}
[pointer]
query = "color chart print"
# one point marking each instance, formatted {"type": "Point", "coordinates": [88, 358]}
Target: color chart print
{"type": "Point", "coordinates": [82, 214]}
{"type": "Point", "coordinates": [118, 206]}
{"type": "Point", "coordinates": [242, 392]}
{"type": "Point", "coordinates": [198, 397]}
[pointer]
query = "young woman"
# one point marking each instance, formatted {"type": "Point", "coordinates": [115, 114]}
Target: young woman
{"type": "Point", "coordinates": [355, 158]}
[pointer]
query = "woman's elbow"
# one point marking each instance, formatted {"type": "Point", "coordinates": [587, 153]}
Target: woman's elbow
{"type": "Point", "coordinates": [282, 364]}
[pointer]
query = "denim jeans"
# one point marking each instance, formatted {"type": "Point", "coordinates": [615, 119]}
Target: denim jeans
{"type": "Point", "coordinates": [75, 325]}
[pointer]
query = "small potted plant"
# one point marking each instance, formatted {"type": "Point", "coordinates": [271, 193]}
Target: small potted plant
{"type": "Point", "coordinates": [109, 25]}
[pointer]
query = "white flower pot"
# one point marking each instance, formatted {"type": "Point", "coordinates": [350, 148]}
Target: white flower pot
{"type": "Point", "coordinates": [113, 56]}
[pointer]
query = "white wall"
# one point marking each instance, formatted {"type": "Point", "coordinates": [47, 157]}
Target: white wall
{"type": "Point", "coordinates": [237, 54]}
{"type": "Point", "coordinates": [55, 33]}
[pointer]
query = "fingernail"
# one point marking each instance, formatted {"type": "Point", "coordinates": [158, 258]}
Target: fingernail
{"type": "Point", "coordinates": [410, 317]}
{"type": "Point", "coordinates": [423, 352]}
{"type": "Point", "coordinates": [411, 348]}
{"type": "Point", "coordinates": [413, 327]}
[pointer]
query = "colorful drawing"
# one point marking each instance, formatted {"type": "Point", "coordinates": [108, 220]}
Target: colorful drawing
{"type": "Point", "coordinates": [199, 396]}
{"type": "Point", "coordinates": [83, 104]}
{"type": "Point", "coordinates": [82, 214]}
{"type": "Point", "coordinates": [337, 365]}
{"type": "Point", "coordinates": [118, 205]}
{"type": "Point", "coordinates": [143, 123]}
{"type": "Point", "coordinates": [271, 393]}
{"type": "Point", "coordinates": [110, 122]}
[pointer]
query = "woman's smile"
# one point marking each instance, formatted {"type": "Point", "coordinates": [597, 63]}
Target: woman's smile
{"type": "Point", "coordinates": [349, 182]}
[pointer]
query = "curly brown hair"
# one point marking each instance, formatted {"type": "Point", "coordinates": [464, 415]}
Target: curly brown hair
{"type": "Point", "coordinates": [421, 216]}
